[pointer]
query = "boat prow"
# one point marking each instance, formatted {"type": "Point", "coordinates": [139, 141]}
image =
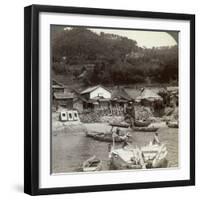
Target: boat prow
{"type": "Point", "coordinates": [92, 164]}
{"type": "Point", "coordinates": [151, 156]}
{"type": "Point", "coordinates": [125, 158]}
{"type": "Point", "coordinates": [155, 155]}
{"type": "Point", "coordinates": [172, 124]}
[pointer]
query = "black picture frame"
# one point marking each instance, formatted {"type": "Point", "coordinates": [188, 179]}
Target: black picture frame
{"type": "Point", "coordinates": [31, 98]}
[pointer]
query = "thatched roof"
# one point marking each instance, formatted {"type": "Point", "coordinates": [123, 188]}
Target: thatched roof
{"type": "Point", "coordinates": [149, 95]}
{"type": "Point", "coordinates": [132, 93]}
{"type": "Point", "coordinates": [120, 94]}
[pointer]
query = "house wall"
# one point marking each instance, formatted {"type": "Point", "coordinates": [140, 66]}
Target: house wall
{"type": "Point", "coordinates": [78, 105]}
{"type": "Point", "coordinates": [104, 105]}
{"type": "Point", "coordinates": [86, 96]}
{"type": "Point", "coordinates": [67, 103]}
{"type": "Point", "coordinates": [61, 90]}
{"type": "Point", "coordinates": [100, 92]}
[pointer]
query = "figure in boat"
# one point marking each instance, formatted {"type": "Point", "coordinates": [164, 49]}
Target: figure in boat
{"type": "Point", "coordinates": [156, 139]}
{"type": "Point", "coordinates": [152, 155]}
{"type": "Point", "coordinates": [116, 133]}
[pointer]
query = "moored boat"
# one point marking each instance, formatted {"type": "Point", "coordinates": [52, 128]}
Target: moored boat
{"type": "Point", "coordinates": [92, 164]}
{"type": "Point", "coordinates": [136, 128]}
{"type": "Point", "coordinates": [172, 124]}
{"type": "Point", "coordinates": [151, 156]}
{"type": "Point", "coordinates": [108, 137]}
{"type": "Point", "coordinates": [155, 155]}
{"type": "Point", "coordinates": [124, 158]}
{"type": "Point", "coordinates": [119, 124]}
{"type": "Point", "coordinates": [142, 123]}
{"type": "Point", "coordinates": [146, 129]}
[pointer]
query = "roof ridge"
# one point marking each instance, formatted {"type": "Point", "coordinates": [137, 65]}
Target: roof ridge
{"type": "Point", "coordinates": [92, 88]}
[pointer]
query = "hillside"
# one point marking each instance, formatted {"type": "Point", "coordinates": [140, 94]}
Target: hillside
{"type": "Point", "coordinates": [81, 57]}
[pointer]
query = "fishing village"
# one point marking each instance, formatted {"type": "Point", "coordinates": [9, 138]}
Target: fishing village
{"type": "Point", "coordinates": [114, 99]}
{"type": "Point", "coordinates": [118, 128]}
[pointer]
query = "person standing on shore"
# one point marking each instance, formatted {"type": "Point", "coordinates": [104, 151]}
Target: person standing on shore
{"type": "Point", "coordinates": [130, 111]}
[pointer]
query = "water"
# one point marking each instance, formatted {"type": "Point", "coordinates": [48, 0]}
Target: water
{"type": "Point", "coordinates": [70, 150]}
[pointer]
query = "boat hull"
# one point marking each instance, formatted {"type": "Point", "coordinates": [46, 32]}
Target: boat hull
{"type": "Point", "coordinates": [145, 129]}
{"type": "Point", "coordinates": [162, 163]}
{"type": "Point", "coordinates": [107, 137]}
{"type": "Point", "coordinates": [151, 156]}
{"type": "Point", "coordinates": [119, 164]}
{"type": "Point", "coordinates": [142, 123]}
{"type": "Point", "coordinates": [120, 124]}
{"type": "Point", "coordinates": [92, 164]}
{"type": "Point", "coordinates": [172, 124]}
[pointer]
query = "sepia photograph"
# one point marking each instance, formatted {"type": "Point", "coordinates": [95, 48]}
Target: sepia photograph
{"type": "Point", "coordinates": [109, 99]}
{"type": "Point", "coordinates": [114, 99]}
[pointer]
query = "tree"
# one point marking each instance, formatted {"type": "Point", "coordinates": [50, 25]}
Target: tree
{"type": "Point", "coordinates": [117, 59]}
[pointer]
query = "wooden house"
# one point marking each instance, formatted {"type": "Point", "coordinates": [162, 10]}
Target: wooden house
{"type": "Point", "coordinates": [119, 101]}
{"type": "Point", "coordinates": [57, 87]}
{"type": "Point", "coordinates": [80, 103]}
{"type": "Point", "coordinates": [98, 97]}
{"type": "Point", "coordinates": [151, 100]}
{"type": "Point", "coordinates": [95, 92]}
{"type": "Point", "coordinates": [173, 96]}
{"type": "Point", "coordinates": [148, 95]}
{"type": "Point", "coordinates": [63, 99]}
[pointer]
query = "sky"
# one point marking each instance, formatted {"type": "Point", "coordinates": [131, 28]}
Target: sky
{"type": "Point", "coordinates": [146, 39]}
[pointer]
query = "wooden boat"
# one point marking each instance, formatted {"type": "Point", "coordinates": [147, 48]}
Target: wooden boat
{"type": "Point", "coordinates": [151, 156]}
{"type": "Point", "coordinates": [146, 129]}
{"type": "Point", "coordinates": [172, 124]}
{"type": "Point", "coordinates": [120, 124]}
{"type": "Point", "coordinates": [92, 164]}
{"type": "Point", "coordinates": [126, 125]}
{"type": "Point", "coordinates": [124, 159]}
{"type": "Point", "coordinates": [155, 155]}
{"type": "Point", "coordinates": [108, 137]}
{"type": "Point", "coordinates": [141, 123]}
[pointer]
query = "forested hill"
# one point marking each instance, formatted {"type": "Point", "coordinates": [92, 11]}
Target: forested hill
{"type": "Point", "coordinates": [83, 56]}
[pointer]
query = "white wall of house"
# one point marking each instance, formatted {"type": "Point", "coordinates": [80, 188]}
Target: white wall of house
{"type": "Point", "coordinates": [100, 92]}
